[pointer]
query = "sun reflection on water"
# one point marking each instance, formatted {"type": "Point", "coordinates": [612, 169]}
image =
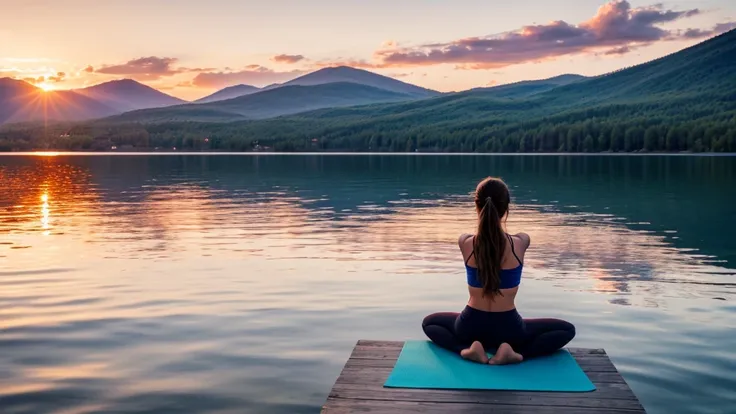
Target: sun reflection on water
{"type": "Point", "coordinates": [45, 214]}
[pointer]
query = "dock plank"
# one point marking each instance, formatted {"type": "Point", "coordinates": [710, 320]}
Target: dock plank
{"type": "Point", "coordinates": [359, 388]}
{"type": "Point", "coordinates": [337, 406]}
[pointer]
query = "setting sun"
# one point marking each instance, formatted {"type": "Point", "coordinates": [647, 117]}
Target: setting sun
{"type": "Point", "coordinates": [45, 86]}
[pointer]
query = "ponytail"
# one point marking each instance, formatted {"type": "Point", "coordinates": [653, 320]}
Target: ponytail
{"type": "Point", "coordinates": [490, 245]}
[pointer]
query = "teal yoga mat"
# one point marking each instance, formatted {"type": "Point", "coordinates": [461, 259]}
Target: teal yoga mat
{"type": "Point", "coordinates": [422, 364]}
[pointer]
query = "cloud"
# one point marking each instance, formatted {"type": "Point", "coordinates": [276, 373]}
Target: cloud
{"type": "Point", "coordinates": [59, 77]}
{"type": "Point", "coordinates": [288, 59]}
{"type": "Point", "coordinates": [251, 75]}
{"type": "Point", "coordinates": [400, 75]}
{"type": "Point", "coordinates": [145, 68]}
{"type": "Point", "coordinates": [353, 63]}
{"type": "Point", "coordinates": [492, 83]}
{"type": "Point", "coordinates": [390, 44]}
{"type": "Point", "coordinates": [621, 50]}
{"type": "Point", "coordinates": [8, 72]}
{"type": "Point", "coordinates": [616, 27]}
{"type": "Point", "coordinates": [34, 81]}
{"type": "Point", "coordinates": [33, 75]}
{"type": "Point", "coordinates": [194, 70]}
{"type": "Point", "coordinates": [55, 78]}
{"type": "Point", "coordinates": [716, 30]}
{"type": "Point", "coordinates": [723, 27]}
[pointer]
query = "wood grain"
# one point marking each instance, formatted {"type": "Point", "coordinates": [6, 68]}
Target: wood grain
{"type": "Point", "coordinates": [359, 389]}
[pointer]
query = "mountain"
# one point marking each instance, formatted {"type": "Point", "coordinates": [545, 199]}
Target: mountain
{"type": "Point", "coordinates": [525, 89]}
{"type": "Point", "coordinates": [23, 102]}
{"type": "Point", "coordinates": [229, 93]}
{"type": "Point", "coordinates": [284, 100]}
{"type": "Point", "coordinates": [359, 76]}
{"type": "Point", "coordinates": [341, 74]}
{"type": "Point", "coordinates": [708, 67]}
{"type": "Point", "coordinates": [701, 74]}
{"type": "Point", "coordinates": [685, 101]}
{"type": "Point", "coordinates": [128, 95]}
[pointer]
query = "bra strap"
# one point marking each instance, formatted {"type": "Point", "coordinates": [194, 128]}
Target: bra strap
{"type": "Point", "coordinates": [511, 241]}
{"type": "Point", "coordinates": [472, 251]}
{"type": "Point", "coordinates": [469, 256]}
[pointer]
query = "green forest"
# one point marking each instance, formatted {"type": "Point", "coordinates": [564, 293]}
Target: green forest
{"type": "Point", "coordinates": [618, 128]}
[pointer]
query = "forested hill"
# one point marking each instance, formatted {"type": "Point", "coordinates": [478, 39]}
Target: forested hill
{"type": "Point", "coordinates": [682, 102]}
{"type": "Point", "coordinates": [704, 68]}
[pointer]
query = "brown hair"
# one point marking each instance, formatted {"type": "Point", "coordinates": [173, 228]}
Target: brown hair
{"type": "Point", "coordinates": [492, 203]}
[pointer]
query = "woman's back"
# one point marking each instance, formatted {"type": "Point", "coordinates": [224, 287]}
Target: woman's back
{"type": "Point", "coordinates": [494, 261]}
{"type": "Point", "coordinates": [511, 267]}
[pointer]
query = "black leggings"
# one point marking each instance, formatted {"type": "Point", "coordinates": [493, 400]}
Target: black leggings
{"type": "Point", "coordinates": [529, 337]}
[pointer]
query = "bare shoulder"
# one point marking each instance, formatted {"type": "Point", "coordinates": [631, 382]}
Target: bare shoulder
{"type": "Point", "coordinates": [463, 239]}
{"type": "Point", "coordinates": [465, 242]}
{"type": "Point", "coordinates": [524, 238]}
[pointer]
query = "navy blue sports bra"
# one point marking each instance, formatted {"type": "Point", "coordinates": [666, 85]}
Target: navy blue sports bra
{"type": "Point", "coordinates": [510, 278]}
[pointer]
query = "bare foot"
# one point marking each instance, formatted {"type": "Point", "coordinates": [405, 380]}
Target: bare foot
{"type": "Point", "coordinates": [506, 355]}
{"type": "Point", "coordinates": [475, 353]}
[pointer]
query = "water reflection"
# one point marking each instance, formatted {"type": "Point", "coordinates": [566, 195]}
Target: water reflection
{"type": "Point", "coordinates": [206, 264]}
{"type": "Point", "coordinates": [133, 208]}
{"type": "Point", "coordinates": [45, 214]}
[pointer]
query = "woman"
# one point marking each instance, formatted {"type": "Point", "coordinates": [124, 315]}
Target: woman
{"type": "Point", "coordinates": [493, 262]}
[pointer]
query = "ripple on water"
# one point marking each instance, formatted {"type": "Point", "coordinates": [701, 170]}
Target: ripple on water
{"type": "Point", "coordinates": [240, 284]}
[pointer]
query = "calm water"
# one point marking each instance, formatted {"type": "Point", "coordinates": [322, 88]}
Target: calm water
{"type": "Point", "coordinates": [240, 283]}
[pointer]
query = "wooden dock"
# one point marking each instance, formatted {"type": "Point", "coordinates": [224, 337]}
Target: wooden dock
{"type": "Point", "coordinates": [359, 389]}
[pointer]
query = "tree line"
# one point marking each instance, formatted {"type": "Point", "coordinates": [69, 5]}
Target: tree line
{"type": "Point", "coordinates": [705, 127]}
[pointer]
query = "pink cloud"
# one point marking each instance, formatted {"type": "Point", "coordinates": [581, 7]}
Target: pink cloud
{"type": "Point", "coordinates": [616, 27]}
{"type": "Point", "coordinates": [145, 68]}
{"type": "Point", "coordinates": [197, 69]}
{"type": "Point", "coordinates": [251, 75]}
{"type": "Point", "coordinates": [288, 59]}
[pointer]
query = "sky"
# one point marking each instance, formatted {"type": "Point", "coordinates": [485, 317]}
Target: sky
{"type": "Point", "coordinates": [191, 48]}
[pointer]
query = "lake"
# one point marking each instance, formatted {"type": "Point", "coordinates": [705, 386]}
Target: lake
{"type": "Point", "coordinates": [240, 283]}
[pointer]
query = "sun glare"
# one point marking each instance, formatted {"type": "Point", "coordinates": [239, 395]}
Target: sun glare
{"type": "Point", "coordinates": [45, 86]}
